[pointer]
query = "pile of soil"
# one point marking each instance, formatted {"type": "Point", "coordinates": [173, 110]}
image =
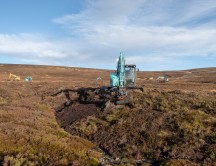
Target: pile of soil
{"type": "Point", "coordinates": [75, 113]}
{"type": "Point", "coordinates": [159, 128]}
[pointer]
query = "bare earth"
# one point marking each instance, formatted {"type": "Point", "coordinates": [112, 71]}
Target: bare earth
{"type": "Point", "coordinates": [168, 124]}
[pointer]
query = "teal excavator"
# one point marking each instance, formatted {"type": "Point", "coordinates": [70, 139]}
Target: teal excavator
{"type": "Point", "coordinates": [118, 92]}
{"type": "Point", "coordinates": [125, 74]}
{"type": "Point", "coordinates": [123, 79]}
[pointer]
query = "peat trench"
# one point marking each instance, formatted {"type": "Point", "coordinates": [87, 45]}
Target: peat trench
{"type": "Point", "coordinates": [81, 104]}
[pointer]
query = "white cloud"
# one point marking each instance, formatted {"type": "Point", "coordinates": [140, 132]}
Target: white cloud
{"type": "Point", "coordinates": [148, 31]}
{"type": "Point", "coordinates": [37, 49]}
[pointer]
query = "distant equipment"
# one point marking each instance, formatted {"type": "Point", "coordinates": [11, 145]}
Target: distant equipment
{"type": "Point", "coordinates": [97, 79]}
{"type": "Point", "coordinates": [14, 77]}
{"type": "Point", "coordinates": [163, 78]}
{"type": "Point", "coordinates": [28, 78]}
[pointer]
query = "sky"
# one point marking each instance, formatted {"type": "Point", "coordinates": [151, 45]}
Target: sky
{"type": "Point", "coordinates": [153, 34]}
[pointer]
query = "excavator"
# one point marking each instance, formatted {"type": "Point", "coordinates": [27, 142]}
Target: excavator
{"type": "Point", "coordinates": [121, 82]}
{"type": "Point", "coordinates": [14, 77]}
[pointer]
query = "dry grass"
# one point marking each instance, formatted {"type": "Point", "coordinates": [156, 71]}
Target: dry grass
{"type": "Point", "coordinates": [173, 120]}
{"type": "Point", "coordinates": [30, 135]}
{"type": "Point", "coordinates": [170, 126]}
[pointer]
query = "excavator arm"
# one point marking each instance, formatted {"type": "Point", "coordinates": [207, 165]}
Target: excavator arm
{"type": "Point", "coordinates": [14, 77]}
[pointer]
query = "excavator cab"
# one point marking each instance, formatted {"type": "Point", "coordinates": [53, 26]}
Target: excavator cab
{"type": "Point", "coordinates": [130, 75]}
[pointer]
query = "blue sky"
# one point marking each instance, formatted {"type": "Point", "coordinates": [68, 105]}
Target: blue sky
{"type": "Point", "coordinates": [154, 34]}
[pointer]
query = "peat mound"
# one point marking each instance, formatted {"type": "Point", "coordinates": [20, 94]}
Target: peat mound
{"type": "Point", "coordinates": [160, 128]}
{"type": "Point", "coordinates": [75, 113]}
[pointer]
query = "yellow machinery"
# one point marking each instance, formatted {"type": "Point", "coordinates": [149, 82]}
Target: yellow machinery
{"type": "Point", "coordinates": [14, 77]}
